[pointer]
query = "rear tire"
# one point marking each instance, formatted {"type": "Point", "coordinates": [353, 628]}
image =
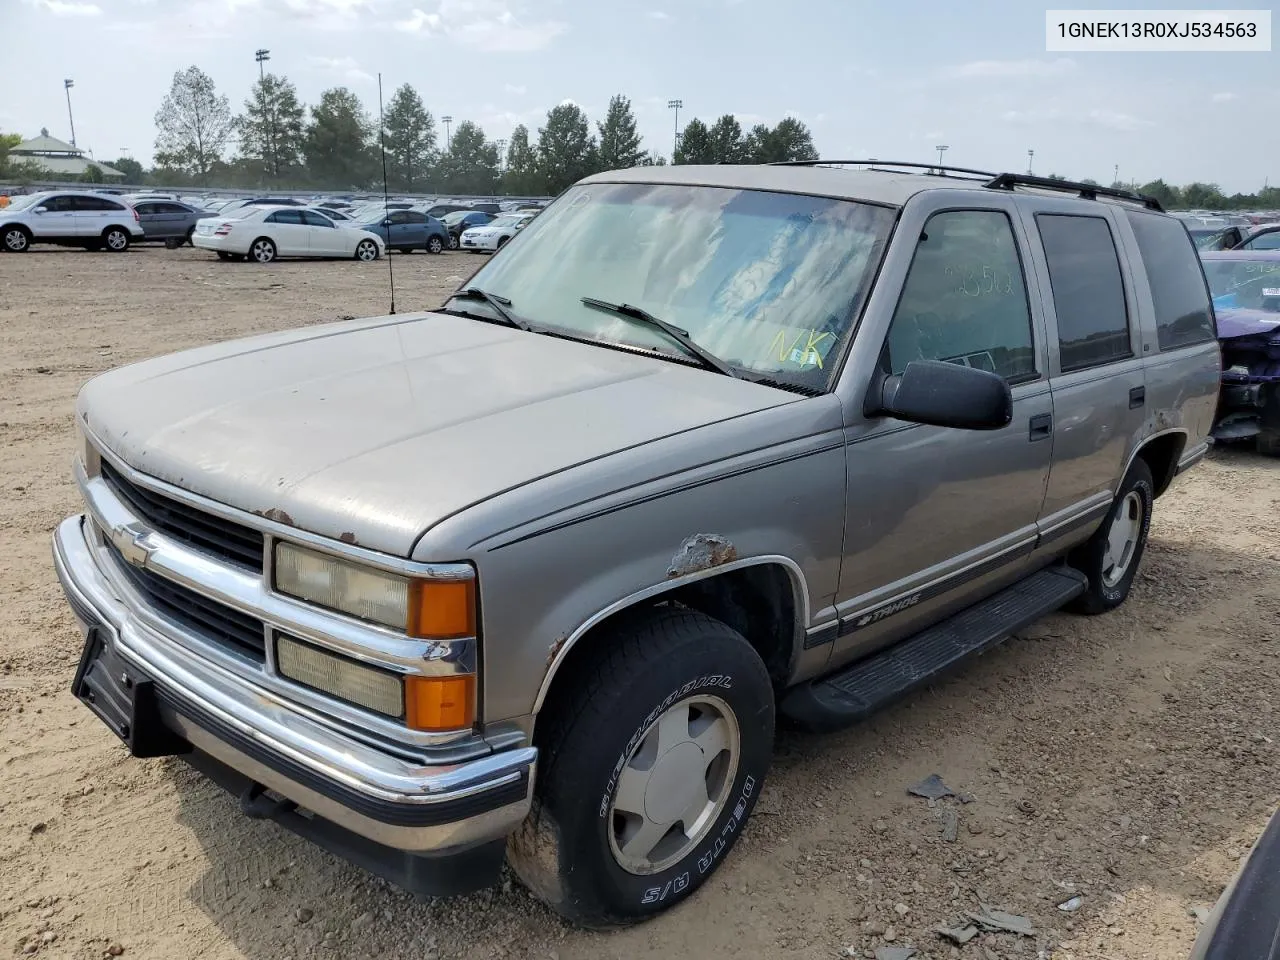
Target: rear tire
{"type": "Point", "coordinates": [652, 760]}
{"type": "Point", "coordinates": [1110, 558]}
{"type": "Point", "coordinates": [115, 239]}
{"type": "Point", "coordinates": [1269, 434]}
{"type": "Point", "coordinates": [223, 255]}
{"type": "Point", "coordinates": [435, 244]}
{"type": "Point", "coordinates": [191, 232]}
{"type": "Point", "coordinates": [366, 250]}
{"type": "Point", "coordinates": [16, 239]}
{"type": "Point", "coordinates": [262, 250]}
{"type": "Point", "coordinates": [453, 242]}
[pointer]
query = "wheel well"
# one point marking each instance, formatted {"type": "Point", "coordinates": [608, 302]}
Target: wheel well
{"type": "Point", "coordinates": [758, 601]}
{"type": "Point", "coordinates": [21, 226]}
{"type": "Point", "coordinates": [1161, 455]}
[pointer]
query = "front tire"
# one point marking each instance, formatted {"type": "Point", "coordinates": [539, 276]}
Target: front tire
{"type": "Point", "coordinates": [1110, 558]}
{"type": "Point", "coordinates": [16, 239]}
{"type": "Point", "coordinates": [262, 250]}
{"type": "Point", "coordinates": [115, 240]}
{"type": "Point", "coordinates": [653, 758]}
{"type": "Point", "coordinates": [453, 242]}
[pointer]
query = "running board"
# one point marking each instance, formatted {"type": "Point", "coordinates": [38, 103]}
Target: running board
{"type": "Point", "coordinates": [869, 685]}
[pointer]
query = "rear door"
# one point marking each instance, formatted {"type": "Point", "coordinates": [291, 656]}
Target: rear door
{"type": "Point", "coordinates": [289, 233]}
{"type": "Point", "coordinates": [173, 219]}
{"type": "Point", "coordinates": [1095, 360]}
{"type": "Point", "coordinates": [150, 219]}
{"type": "Point", "coordinates": [416, 229]}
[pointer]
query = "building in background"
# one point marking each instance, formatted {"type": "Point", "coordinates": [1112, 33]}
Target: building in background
{"type": "Point", "coordinates": [61, 160]}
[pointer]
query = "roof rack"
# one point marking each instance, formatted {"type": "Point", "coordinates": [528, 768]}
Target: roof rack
{"type": "Point", "coordinates": [1087, 191]}
{"type": "Point", "coordinates": [940, 169]}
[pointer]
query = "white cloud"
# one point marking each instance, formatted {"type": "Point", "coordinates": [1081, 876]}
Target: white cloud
{"type": "Point", "coordinates": [345, 67]}
{"type": "Point", "coordinates": [518, 89]}
{"type": "Point", "coordinates": [67, 8]}
{"type": "Point", "coordinates": [1014, 68]}
{"type": "Point", "coordinates": [1108, 119]}
{"type": "Point", "coordinates": [488, 25]}
{"type": "Point", "coordinates": [1223, 97]}
{"type": "Point", "coordinates": [658, 15]}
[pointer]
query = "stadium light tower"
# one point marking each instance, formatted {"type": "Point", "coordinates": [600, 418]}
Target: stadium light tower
{"type": "Point", "coordinates": [448, 137]}
{"type": "Point", "coordinates": [675, 142]}
{"type": "Point", "coordinates": [1031, 155]}
{"type": "Point", "coordinates": [67, 85]}
{"type": "Point", "coordinates": [941, 148]}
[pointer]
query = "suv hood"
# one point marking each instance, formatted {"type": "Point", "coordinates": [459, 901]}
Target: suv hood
{"type": "Point", "coordinates": [374, 430]}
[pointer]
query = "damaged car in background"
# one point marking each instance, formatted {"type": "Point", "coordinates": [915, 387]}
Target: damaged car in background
{"type": "Point", "coordinates": [1246, 298]}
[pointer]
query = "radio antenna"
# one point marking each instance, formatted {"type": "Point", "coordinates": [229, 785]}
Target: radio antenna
{"type": "Point", "coordinates": [386, 209]}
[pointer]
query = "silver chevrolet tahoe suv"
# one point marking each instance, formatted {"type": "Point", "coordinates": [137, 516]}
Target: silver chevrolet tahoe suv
{"type": "Point", "coordinates": [531, 575]}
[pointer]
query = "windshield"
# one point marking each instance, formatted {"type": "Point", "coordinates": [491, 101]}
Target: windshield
{"type": "Point", "coordinates": [1246, 284]}
{"type": "Point", "coordinates": [770, 283]}
{"type": "Point", "coordinates": [21, 203]}
{"type": "Point", "coordinates": [500, 222]}
{"type": "Point", "coordinates": [455, 217]}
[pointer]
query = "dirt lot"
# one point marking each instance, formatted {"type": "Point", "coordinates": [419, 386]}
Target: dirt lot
{"type": "Point", "coordinates": [1130, 759]}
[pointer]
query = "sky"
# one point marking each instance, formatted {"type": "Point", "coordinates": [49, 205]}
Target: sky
{"type": "Point", "coordinates": [871, 79]}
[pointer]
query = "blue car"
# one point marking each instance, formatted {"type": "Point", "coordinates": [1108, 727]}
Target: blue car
{"type": "Point", "coordinates": [409, 230]}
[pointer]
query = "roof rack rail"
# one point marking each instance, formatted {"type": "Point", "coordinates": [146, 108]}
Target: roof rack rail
{"type": "Point", "coordinates": [942, 169]}
{"type": "Point", "coordinates": [1086, 191]}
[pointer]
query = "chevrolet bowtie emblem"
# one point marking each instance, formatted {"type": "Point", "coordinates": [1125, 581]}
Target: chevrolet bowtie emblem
{"type": "Point", "coordinates": [132, 543]}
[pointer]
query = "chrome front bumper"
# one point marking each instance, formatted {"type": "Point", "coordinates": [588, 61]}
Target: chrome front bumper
{"type": "Point", "coordinates": [379, 795]}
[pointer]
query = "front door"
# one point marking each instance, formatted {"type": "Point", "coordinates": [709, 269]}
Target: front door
{"type": "Point", "coordinates": [937, 516]}
{"type": "Point", "coordinates": [58, 220]}
{"type": "Point", "coordinates": [324, 237]}
{"type": "Point", "coordinates": [1095, 364]}
{"type": "Point", "coordinates": [289, 233]}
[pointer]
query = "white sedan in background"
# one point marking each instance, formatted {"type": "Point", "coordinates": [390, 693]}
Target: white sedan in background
{"type": "Point", "coordinates": [492, 235]}
{"type": "Point", "coordinates": [265, 233]}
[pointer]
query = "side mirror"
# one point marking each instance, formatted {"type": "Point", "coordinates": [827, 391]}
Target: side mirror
{"type": "Point", "coordinates": [386, 222]}
{"type": "Point", "coordinates": [40, 210]}
{"type": "Point", "coordinates": [946, 395]}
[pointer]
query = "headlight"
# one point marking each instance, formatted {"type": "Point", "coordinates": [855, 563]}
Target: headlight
{"type": "Point", "coordinates": [435, 609]}
{"type": "Point", "coordinates": [365, 686]}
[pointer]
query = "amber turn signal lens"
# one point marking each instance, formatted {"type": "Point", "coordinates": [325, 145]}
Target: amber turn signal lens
{"type": "Point", "coordinates": [442, 609]}
{"type": "Point", "coordinates": [440, 703]}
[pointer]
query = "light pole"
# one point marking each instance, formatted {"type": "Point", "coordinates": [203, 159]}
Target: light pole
{"type": "Point", "coordinates": [448, 137]}
{"type": "Point", "coordinates": [67, 85]}
{"type": "Point", "coordinates": [262, 56]}
{"type": "Point", "coordinates": [675, 140]}
{"type": "Point", "coordinates": [1115, 178]}
{"type": "Point", "coordinates": [1031, 155]}
{"type": "Point", "coordinates": [941, 148]}
{"type": "Point", "coordinates": [502, 146]}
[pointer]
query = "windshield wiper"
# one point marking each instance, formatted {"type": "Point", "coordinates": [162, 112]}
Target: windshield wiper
{"type": "Point", "coordinates": [701, 354]}
{"type": "Point", "coordinates": [498, 304]}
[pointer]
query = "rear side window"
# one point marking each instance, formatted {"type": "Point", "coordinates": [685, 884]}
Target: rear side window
{"type": "Point", "coordinates": [1263, 241]}
{"type": "Point", "coordinates": [1088, 291]}
{"type": "Point", "coordinates": [1183, 315]}
{"type": "Point", "coordinates": [285, 216]}
{"type": "Point", "coordinates": [96, 204]}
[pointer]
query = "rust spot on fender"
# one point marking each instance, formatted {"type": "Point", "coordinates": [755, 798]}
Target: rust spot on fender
{"type": "Point", "coordinates": [276, 514]}
{"type": "Point", "coordinates": [555, 649]}
{"type": "Point", "coordinates": [348, 538]}
{"type": "Point", "coordinates": [702, 551]}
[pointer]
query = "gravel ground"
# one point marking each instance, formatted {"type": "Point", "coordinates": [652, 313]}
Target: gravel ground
{"type": "Point", "coordinates": [1127, 759]}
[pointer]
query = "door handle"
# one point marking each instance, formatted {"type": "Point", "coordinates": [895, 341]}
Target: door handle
{"type": "Point", "coordinates": [1041, 426]}
{"type": "Point", "coordinates": [1137, 397]}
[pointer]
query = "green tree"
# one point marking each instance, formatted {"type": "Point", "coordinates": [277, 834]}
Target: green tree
{"type": "Point", "coordinates": [194, 124]}
{"type": "Point", "coordinates": [1056, 176]}
{"type": "Point", "coordinates": [411, 140]}
{"type": "Point", "coordinates": [92, 175]}
{"type": "Point", "coordinates": [1168, 196]}
{"type": "Point", "coordinates": [271, 128]}
{"type": "Point", "coordinates": [619, 141]}
{"type": "Point", "coordinates": [728, 144]}
{"type": "Point", "coordinates": [1203, 196]}
{"type": "Point", "coordinates": [567, 151]}
{"type": "Point", "coordinates": [522, 177]}
{"type": "Point", "coordinates": [131, 169]}
{"type": "Point", "coordinates": [1092, 183]}
{"type": "Point", "coordinates": [337, 142]}
{"type": "Point", "coordinates": [694, 144]}
{"type": "Point", "coordinates": [471, 165]}
{"type": "Point", "coordinates": [789, 140]}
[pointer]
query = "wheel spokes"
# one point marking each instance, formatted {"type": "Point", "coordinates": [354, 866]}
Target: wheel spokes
{"type": "Point", "coordinates": [632, 784]}
{"type": "Point", "coordinates": [673, 728]}
{"type": "Point", "coordinates": [641, 836]}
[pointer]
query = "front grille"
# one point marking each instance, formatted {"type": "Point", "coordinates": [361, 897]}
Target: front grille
{"type": "Point", "coordinates": [208, 619]}
{"type": "Point", "coordinates": [203, 531]}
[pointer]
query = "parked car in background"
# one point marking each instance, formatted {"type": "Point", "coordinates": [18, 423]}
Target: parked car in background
{"type": "Point", "coordinates": [1246, 296]}
{"type": "Point", "coordinates": [168, 219]}
{"type": "Point", "coordinates": [494, 234]}
{"type": "Point", "coordinates": [1261, 238]}
{"type": "Point", "coordinates": [69, 218]}
{"type": "Point", "coordinates": [1216, 238]}
{"type": "Point", "coordinates": [1245, 923]}
{"type": "Point", "coordinates": [440, 209]}
{"type": "Point", "coordinates": [409, 230]}
{"type": "Point", "coordinates": [339, 217]}
{"type": "Point", "coordinates": [263, 234]}
{"type": "Point", "coordinates": [461, 220]}
{"type": "Point", "coordinates": [487, 206]}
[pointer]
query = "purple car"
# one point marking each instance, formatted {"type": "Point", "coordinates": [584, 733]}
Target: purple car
{"type": "Point", "coordinates": [1246, 298]}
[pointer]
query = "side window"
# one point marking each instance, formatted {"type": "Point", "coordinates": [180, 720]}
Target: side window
{"type": "Point", "coordinates": [1183, 315]}
{"type": "Point", "coordinates": [146, 209]}
{"type": "Point", "coordinates": [1264, 241]}
{"type": "Point", "coordinates": [171, 208]}
{"type": "Point", "coordinates": [399, 216]}
{"type": "Point", "coordinates": [965, 299]}
{"type": "Point", "coordinates": [313, 219]}
{"type": "Point", "coordinates": [285, 216]}
{"type": "Point", "coordinates": [413, 216]}
{"type": "Point", "coordinates": [60, 204]}
{"type": "Point", "coordinates": [1088, 292]}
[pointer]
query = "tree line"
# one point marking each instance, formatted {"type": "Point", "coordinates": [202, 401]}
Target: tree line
{"type": "Point", "coordinates": [336, 144]}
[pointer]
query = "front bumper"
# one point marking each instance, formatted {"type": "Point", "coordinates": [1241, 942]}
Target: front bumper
{"type": "Point", "coordinates": [382, 797]}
